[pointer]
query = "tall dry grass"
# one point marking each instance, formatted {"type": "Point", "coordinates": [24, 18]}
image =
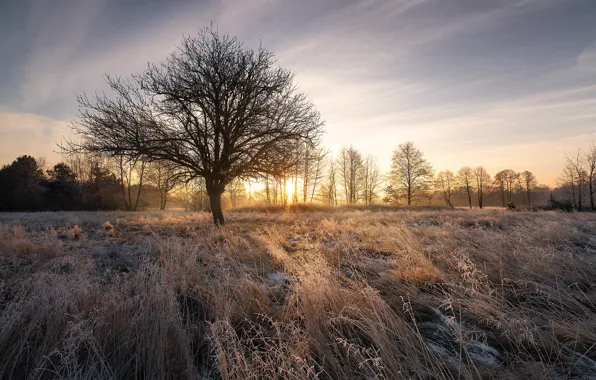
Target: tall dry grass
{"type": "Point", "coordinates": [354, 294]}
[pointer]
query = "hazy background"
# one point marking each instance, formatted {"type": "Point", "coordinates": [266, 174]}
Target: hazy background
{"type": "Point", "coordinates": [502, 83]}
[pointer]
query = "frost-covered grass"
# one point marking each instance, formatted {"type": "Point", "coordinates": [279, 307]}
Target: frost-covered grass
{"type": "Point", "coordinates": [348, 294]}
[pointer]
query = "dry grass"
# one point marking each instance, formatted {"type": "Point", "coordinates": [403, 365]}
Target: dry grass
{"type": "Point", "coordinates": [349, 294]}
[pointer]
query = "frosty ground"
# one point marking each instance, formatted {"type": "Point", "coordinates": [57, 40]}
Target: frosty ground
{"type": "Point", "coordinates": [344, 294]}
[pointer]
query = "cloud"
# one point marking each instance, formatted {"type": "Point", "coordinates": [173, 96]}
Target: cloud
{"type": "Point", "coordinates": [35, 135]}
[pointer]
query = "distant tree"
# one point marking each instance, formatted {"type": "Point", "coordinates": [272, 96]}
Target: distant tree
{"type": "Point", "coordinates": [372, 179]}
{"type": "Point", "coordinates": [132, 175]}
{"type": "Point", "coordinates": [20, 185]}
{"type": "Point", "coordinates": [236, 190]}
{"type": "Point", "coordinates": [529, 183]}
{"type": "Point", "coordinates": [483, 188]}
{"type": "Point", "coordinates": [101, 191]}
{"type": "Point", "coordinates": [329, 189]}
{"type": "Point", "coordinates": [499, 183]}
{"type": "Point", "coordinates": [162, 175]}
{"type": "Point", "coordinates": [410, 174]}
{"type": "Point", "coordinates": [578, 175]}
{"type": "Point", "coordinates": [215, 109]}
{"type": "Point", "coordinates": [445, 182]}
{"type": "Point", "coordinates": [63, 191]}
{"type": "Point", "coordinates": [194, 195]}
{"type": "Point", "coordinates": [506, 180]}
{"type": "Point", "coordinates": [590, 178]}
{"type": "Point", "coordinates": [312, 170]}
{"type": "Point", "coordinates": [569, 181]}
{"type": "Point", "coordinates": [350, 164]}
{"type": "Point", "coordinates": [465, 180]}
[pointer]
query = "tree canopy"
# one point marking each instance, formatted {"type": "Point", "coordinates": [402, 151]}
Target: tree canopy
{"type": "Point", "coordinates": [215, 109]}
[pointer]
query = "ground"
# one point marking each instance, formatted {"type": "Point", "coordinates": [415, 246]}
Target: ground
{"type": "Point", "coordinates": [344, 294]}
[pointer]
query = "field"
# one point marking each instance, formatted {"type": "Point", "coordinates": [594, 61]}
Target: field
{"type": "Point", "coordinates": [348, 294]}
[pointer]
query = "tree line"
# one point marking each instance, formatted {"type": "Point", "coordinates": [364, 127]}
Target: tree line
{"type": "Point", "coordinates": [86, 182]}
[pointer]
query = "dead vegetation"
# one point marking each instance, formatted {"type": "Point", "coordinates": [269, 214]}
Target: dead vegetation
{"type": "Point", "coordinates": [352, 294]}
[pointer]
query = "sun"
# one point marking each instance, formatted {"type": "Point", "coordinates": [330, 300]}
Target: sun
{"type": "Point", "coordinates": [290, 190]}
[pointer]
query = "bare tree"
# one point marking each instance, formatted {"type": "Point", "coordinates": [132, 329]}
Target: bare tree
{"type": "Point", "coordinates": [569, 180]}
{"type": "Point", "coordinates": [215, 108]}
{"type": "Point", "coordinates": [499, 183]}
{"type": "Point", "coordinates": [529, 183]}
{"type": "Point", "coordinates": [506, 180]}
{"type": "Point", "coordinates": [132, 172]}
{"type": "Point", "coordinates": [313, 166]}
{"type": "Point", "coordinates": [371, 179]}
{"type": "Point", "coordinates": [579, 177]}
{"type": "Point", "coordinates": [482, 185]}
{"type": "Point", "coordinates": [163, 176]}
{"type": "Point", "coordinates": [445, 183]}
{"type": "Point", "coordinates": [410, 173]}
{"type": "Point", "coordinates": [590, 178]}
{"type": "Point", "coordinates": [193, 194]}
{"type": "Point", "coordinates": [465, 180]}
{"type": "Point", "coordinates": [329, 188]}
{"type": "Point", "coordinates": [236, 190]}
{"type": "Point", "coordinates": [350, 163]}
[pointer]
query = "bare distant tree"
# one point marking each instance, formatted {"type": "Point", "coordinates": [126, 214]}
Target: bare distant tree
{"type": "Point", "coordinates": [465, 180]}
{"type": "Point", "coordinates": [372, 179]}
{"type": "Point", "coordinates": [215, 108]}
{"type": "Point", "coordinates": [163, 176]}
{"type": "Point", "coordinates": [132, 174]}
{"type": "Point", "coordinates": [482, 185]}
{"type": "Point", "coordinates": [351, 165]}
{"type": "Point", "coordinates": [590, 168]}
{"type": "Point", "coordinates": [507, 180]}
{"type": "Point", "coordinates": [579, 177]}
{"type": "Point", "coordinates": [329, 188]}
{"type": "Point", "coordinates": [529, 183]}
{"type": "Point", "coordinates": [499, 183]}
{"type": "Point", "coordinates": [194, 196]}
{"type": "Point", "coordinates": [445, 183]}
{"type": "Point", "coordinates": [237, 190]}
{"type": "Point", "coordinates": [313, 171]}
{"type": "Point", "coordinates": [410, 173]}
{"type": "Point", "coordinates": [569, 180]}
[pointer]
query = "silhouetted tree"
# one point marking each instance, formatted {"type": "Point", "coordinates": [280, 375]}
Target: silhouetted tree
{"type": "Point", "coordinates": [162, 175]}
{"type": "Point", "coordinates": [410, 173]}
{"type": "Point", "coordinates": [63, 191]}
{"type": "Point", "coordinates": [236, 190]}
{"type": "Point", "coordinates": [102, 189]}
{"type": "Point", "coordinates": [351, 165]}
{"type": "Point", "coordinates": [215, 109]}
{"type": "Point", "coordinates": [132, 173]}
{"type": "Point", "coordinates": [578, 175]}
{"type": "Point", "coordinates": [465, 180]}
{"type": "Point", "coordinates": [529, 182]}
{"type": "Point", "coordinates": [590, 178]}
{"type": "Point", "coordinates": [329, 188]}
{"type": "Point", "coordinates": [371, 179]}
{"type": "Point", "coordinates": [445, 182]}
{"type": "Point", "coordinates": [482, 185]}
{"type": "Point", "coordinates": [20, 185]}
{"type": "Point", "coordinates": [506, 181]}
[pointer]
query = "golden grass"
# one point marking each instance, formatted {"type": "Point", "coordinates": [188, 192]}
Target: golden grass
{"type": "Point", "coordinates": [348, 294]}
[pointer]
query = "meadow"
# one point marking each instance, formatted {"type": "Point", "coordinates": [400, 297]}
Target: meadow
{"type": "Point", "coordinates": [312, 294]}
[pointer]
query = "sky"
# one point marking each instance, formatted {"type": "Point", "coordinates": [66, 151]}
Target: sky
{"type": "Point", "coordinates": [498, 83]}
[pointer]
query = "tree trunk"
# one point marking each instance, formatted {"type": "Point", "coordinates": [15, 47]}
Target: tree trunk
{"type": "Point", "coordinates": [162, 201]}
{"type": "Point", "coordinates": [215, 203]}
{"type": "Point", "coordinates": [469, 198]}
{"type": "Point", "coordinates": [591, 183]}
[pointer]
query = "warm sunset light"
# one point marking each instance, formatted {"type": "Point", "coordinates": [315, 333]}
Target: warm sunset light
{"type": "Point", "coordinates": [298, 190]}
